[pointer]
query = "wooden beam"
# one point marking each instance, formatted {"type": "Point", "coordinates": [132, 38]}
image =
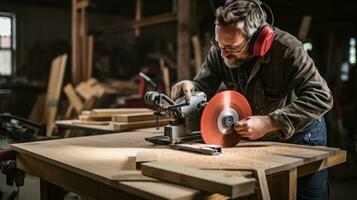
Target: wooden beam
{"type": "Point", "coordinates": [75, 62]}
{"type": "Point", "coordinates": [149, 21]}
{"type": "Point", "coordinates": [183, 39]}
{"type": "Point", "coordinates": [304, 28]}
{"type": "Point", "coordinates": [89, 66]}
{"type": "Point", "coordinates": [138, 13]}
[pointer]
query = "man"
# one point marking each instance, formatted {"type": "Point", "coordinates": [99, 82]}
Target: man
{"type": "Point", "coordinates": [287, 95]}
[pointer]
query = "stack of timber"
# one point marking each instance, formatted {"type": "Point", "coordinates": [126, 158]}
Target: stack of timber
{"type": "Point", "coordinates": [120, 119]}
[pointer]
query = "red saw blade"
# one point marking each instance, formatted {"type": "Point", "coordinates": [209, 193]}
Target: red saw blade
{"type": "Point", "coordinates": [221, 111]}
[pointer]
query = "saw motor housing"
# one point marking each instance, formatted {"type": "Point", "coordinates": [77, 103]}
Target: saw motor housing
{"type": "Point", "coordinates": [186, 113]}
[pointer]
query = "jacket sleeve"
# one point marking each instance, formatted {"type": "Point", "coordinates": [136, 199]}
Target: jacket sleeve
{"type": "Point", "coordinates": [209, 78]}
{"type": "Point", "coordinates": [312, 95]}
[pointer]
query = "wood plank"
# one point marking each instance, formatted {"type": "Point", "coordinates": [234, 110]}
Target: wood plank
{"type": "Point", "coordinates": [54, 90]}
{"type": "Point", "coordinates": [86, 118]}
{"type": "Point", "coordinates": [91, 122]}
{"type": "Point", "coordinates": [93, 128]}
{"type": "Point", "coordinates": [138, 13]}
{"type": "Point", "coordinates": [135, 117]}
{"type": "Point", "coordinates": [73, 98]}
{"type": "Point", "coordinates": [88, 187]}
{"type": "Point", "coordinates": [136, 125]}
{"type": "Point", "coordinates": [210, 181]}
{"type": "Point", "coordinates": [107, 112]}
{"type": "Point", "coordinates": [90, 44]}
{"type": "Point", "coordinates": [304, 170]}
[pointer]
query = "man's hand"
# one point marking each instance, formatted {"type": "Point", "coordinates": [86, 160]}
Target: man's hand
{"type": "Point", "coordinates": [185, 87]}
{"type": "Point", "coordinates": [255, 127]}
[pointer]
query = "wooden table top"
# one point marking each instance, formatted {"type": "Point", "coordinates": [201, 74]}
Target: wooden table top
{"type": "Point", "coordinates": [109, 158]}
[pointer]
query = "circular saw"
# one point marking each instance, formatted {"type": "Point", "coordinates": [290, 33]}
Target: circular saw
{"type": "Point", "coordinates": [220, 115]}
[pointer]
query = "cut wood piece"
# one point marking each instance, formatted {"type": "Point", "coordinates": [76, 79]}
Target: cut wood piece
{"type": "Point", "coordinates": [88, 118]}
{"type": "Point", "coordinates": [90, 122]}
{"type": "Point", "coordinates": [110, 112]}
{"type": "Point", "coordinates": [134, 125]}
{"type": "Point", "coordinates": [210, 181]}
{"type": "Point", "coordinates": [135, 117]}
{"type": "Point", "coordinates": [73, 98]}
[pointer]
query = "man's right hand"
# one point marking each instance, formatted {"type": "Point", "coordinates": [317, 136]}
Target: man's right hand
{"type": "Point", "coordinates": [181, 88]}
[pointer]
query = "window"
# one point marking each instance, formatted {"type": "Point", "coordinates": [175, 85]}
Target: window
{"type": "Point", "coordinates": [352, 51]}
{"type": "Point", "coordinates": [7, 44]}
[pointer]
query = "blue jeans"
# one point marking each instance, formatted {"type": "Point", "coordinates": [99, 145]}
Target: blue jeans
{"type": "Point", "coordinates": [313, 186]}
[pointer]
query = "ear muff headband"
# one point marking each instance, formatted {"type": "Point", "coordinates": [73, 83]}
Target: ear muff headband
{"type": "Point", "coordinates": [262, 39]}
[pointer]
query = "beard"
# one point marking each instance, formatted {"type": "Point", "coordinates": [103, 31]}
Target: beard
{"type": "Point", "coordinates": [233, 62]}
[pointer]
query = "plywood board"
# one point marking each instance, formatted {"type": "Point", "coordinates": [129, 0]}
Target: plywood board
{"type": "Point", "coordinates": [206, 180]}
{"type": "Point", "coordinates": [135, 117]}
{"type": "Point", "coordinates": [136, 125]}
{"type": "Point", "coordinates": [115, 111]}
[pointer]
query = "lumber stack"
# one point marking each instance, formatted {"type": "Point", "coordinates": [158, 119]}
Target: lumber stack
{"type": "Point", "coordinates": [121, 118]}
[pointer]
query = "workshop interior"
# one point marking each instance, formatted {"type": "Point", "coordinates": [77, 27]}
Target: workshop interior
{"type": "Point", "coordinates": [94, 103]}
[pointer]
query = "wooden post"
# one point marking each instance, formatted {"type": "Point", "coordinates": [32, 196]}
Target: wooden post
{"type": "Point", "coordinates": [183, 39]}
{"type": "Point", "coordinates": [83, 38]}
{"type": "Point", "coordinates": [74, 41]}
{"type": "Point", "coordinates": [304, 28]}
{"type": "Point", "coordinates": [90, 44]}
{"type": "Point", "coordinates": [138, 14]}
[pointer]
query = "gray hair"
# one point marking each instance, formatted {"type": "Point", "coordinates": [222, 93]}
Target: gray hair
{"type": "Point", "coordinates": [245, 14]}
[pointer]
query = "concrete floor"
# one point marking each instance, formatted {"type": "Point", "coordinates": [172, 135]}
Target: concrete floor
{"type": "Point", "coordinates": [342, 185]}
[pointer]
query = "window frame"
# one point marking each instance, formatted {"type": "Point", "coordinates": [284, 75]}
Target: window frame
{"type": "Point", "coordinates": [12, 16]}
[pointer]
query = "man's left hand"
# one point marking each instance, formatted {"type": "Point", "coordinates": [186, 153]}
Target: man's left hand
{"type": "Point", "coordinates": [254, 127]}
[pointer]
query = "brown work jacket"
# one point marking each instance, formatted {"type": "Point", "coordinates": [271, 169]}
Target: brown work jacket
{"type": "Point", "coordinates": [284, 84]}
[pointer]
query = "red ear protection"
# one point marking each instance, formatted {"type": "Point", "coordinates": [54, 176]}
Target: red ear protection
{"type": "Point", "coordinates": [261, 41]}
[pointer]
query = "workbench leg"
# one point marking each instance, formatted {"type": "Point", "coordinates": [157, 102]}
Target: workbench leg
{"type": "Point", "coordinates": [263, 185]}
{"type": "Point", "coordinates": [292, 184]}
{"type": "Point", "coordinates": [50, 191]}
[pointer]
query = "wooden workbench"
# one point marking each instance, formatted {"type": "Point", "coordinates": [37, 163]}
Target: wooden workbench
{"type": "Point", "coordinates": [101, 167]}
